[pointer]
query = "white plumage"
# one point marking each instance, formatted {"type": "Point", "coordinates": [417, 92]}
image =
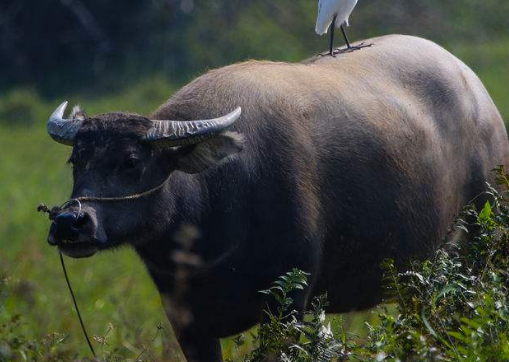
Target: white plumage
{"type": "Point", "coordinates": [327, 9]}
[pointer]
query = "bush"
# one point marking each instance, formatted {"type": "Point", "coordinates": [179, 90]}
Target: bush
{"type": "Point", "coordinates": [286, 338]}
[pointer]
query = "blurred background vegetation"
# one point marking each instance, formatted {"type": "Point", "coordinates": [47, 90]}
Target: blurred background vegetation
{"type": "Point", "coordinates": [132, 55]}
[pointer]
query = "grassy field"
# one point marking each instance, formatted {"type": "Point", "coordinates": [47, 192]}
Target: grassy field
{"type": "Point", "coordinates": [113, 288]}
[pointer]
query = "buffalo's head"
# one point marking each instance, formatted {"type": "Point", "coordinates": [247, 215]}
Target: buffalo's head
{"type": "Point", "coordinates": [120, 154]}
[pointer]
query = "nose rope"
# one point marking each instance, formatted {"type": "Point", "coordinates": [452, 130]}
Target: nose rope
{"type": "Point", "coordinates": [122, 198]}
{"type": "Point", "coordinates": [70, 202]}
{"type": "Point", "coordinates": [54, 211]}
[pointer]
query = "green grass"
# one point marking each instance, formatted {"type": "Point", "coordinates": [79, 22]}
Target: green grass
{"type": "Point", "coordinates": [112, 288]}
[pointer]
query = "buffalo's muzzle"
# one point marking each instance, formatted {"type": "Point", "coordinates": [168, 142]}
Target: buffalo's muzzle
{"type": "Point", "coordinates": [66, 227]}
{"type": "Point", "coordinates": [77, 233]}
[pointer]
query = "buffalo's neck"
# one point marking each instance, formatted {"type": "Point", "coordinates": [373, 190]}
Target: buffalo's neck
{"type": "Point", "coordinates": [189, 234]}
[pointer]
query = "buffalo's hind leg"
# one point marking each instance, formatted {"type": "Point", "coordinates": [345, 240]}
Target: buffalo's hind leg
{"type": "Point", "coordinates": [198, 347]}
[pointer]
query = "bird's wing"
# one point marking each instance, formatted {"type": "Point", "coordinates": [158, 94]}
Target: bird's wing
{"type": "Point", "coordinates": [326, 11]}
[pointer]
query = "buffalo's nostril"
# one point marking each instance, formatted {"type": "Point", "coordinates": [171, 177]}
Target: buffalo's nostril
{"type": "Point", "coordinates": [66, 219]}
{"type": "Point", "coordinates": [64, 228]}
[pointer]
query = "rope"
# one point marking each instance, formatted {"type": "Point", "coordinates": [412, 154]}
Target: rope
{"type": "Point", "coordinates": [122, 198]}
{"type": "Point", "coordinates": [53, 212]}
{"type": "Point", "coordinates": [76, 305]}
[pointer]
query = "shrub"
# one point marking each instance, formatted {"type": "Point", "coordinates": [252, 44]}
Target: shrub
{"type": "Point", "coordinates": [286, 338]}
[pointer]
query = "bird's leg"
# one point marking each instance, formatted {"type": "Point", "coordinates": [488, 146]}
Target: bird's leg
{"type": "Point", "coordinates": [332, 27]}
{"type": "Point", "coordinates": [349, 47]}
{"type": "Point", "coordinates": [346, 37]}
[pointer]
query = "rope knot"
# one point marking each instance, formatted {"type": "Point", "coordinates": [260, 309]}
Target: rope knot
{"type": "Point", "coordinates": [52, 213]}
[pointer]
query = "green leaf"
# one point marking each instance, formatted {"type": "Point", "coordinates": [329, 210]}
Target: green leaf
{"type": "Point", "coordinates": [457, 335]}
{"type": "Point", "coordinates": [486, 212]}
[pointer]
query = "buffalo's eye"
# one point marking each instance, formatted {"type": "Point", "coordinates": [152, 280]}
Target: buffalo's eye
{"type": "Point", "coordinates": [130, 163]}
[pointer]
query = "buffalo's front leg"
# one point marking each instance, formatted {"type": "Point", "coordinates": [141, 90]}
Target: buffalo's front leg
{"type": "Point", "coordinates": [199, 348]}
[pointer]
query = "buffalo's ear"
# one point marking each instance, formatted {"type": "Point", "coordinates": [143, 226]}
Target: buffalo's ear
{"type": "Point", "coordinates": [197, 158]}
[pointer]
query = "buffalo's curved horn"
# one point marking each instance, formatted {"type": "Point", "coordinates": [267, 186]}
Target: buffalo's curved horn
{"type": "Point", "coordinates": [179, 133]}
{"type": "Point", "coordinates": [63, 130]}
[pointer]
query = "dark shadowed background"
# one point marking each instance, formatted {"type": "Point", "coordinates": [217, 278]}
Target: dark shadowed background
{"type": "Point", "coordinates": [132, 55]}
{"type": "Point", "coordinates": [63, 46]}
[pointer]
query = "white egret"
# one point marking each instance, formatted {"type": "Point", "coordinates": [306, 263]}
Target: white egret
{"type": "Point", "coordinates": [331, 14]}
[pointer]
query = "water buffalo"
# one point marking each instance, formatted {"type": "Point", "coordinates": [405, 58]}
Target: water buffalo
{"type": "Point", "coordinates": [330, 166]}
